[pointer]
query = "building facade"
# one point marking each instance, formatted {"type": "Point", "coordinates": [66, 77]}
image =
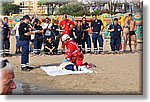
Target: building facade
{"type": "Point", "coordinates": [30, 7]}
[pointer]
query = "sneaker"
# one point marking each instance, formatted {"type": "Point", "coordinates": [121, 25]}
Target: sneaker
{"type": "Point", "coordinates": [30, 68]}
{"type": "Point", "coordinates": [54, 53]}
{"type": "Point", "coordinates": [25, 69]}
{"type": "Point", "coordinates": [36, 53]}
{"type": "Point", "coordinates": [113, 52]}
{"type": "Point", "coordinates": [88, 66]}
{"type": "Point", "coordinates": [117, 52]}
{"type": "Point", "coordinates": [47, 53]}
{"type": "Point", "coordinates": [134, 51]}
{"type": "Point", "coordinates": [89, 52]}
{"type": "Point", "coordinates": [96, 53]}
{"type": "Point", "coordinates": [16, 52]}
{"type": "Point", "coordinates": [7, 55]}
{"type": "Point", "coordinates": [101, 52]}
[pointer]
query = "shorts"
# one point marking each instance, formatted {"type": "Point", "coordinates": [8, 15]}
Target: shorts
{"type": "Point", "coordinates": [132, 33]}
{"type": "Point", "coordinates": [32, 40]}
{"type": "Point", "coordinates": [126, 33]}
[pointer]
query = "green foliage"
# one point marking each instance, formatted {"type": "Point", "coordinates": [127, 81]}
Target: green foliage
{"type": "Point", "coordinates": [8, 7]}
{"type": "Point", "coordinates": [74, 9]}
{"type": "Point", "coordinates": [97, 12]}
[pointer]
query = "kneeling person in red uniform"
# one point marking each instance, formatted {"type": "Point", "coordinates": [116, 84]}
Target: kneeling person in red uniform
{"type": "Point", "coordinates": [73, 53]}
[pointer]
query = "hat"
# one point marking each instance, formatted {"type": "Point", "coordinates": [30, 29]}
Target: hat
{"type": "Point", "coordinates": [65, 37]}
{"type": "Point", "coordinates": [26, 17]}
{"type": "Point", "coordinates": [21, 19]}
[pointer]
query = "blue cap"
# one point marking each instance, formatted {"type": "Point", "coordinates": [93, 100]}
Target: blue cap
{"type": "Point", "coordinates": [26, 17]}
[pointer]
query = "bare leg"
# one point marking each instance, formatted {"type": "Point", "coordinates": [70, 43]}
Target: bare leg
{"type": "Point", "coordinates": [135, 42]}
{"type": "Point", "coordinates": [125, 41]}
{"type": "Point", "coordinates": [130, 36]}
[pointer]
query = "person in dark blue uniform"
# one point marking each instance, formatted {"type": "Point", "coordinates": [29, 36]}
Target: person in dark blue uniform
{"type": "Point", "coordinates": [1, 37]}
{"type": "Point", "coordinates": [38, 38]}
{"type": "Point", "coordinates": [6, 37]}
{"type": "Point", "coordinates": [55, 34]}
{"type": "Point", "coordinates": [49, 46]}
{"type": "Point", "coordinates": [115, 36]}
{"type": "Point", "coordinates": [72, 31]}
{"type": "Point", "coordinates": [97, 27]}
{"type": "Point", "coordinates": [25, 36]}
{"type": "Point", "coordinates": [79, 35]}
{"type": "Point", "coordinates": [87, 39]}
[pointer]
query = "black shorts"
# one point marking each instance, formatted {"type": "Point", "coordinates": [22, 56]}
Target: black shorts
{"type": "Point", "coordinates": [132, 33]}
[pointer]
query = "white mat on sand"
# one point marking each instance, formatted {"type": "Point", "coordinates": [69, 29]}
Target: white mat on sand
{"type": "Point", "coordinates": [55, 71]}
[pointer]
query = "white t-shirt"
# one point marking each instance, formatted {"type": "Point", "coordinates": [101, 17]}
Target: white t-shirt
{"type": "Point", "coordinates": [47, 25]}
{"type": "Point", "coordinates": [17, 29]}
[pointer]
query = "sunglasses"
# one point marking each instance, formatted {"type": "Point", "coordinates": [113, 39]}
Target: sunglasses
{"type": "Point", "coordinates": [3, 63]}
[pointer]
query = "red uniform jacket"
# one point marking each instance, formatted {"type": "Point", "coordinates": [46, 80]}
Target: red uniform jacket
{"type": "Point", "coordinates": [65, 25]}
{"type": "Point", "coordinates": [73, 53]}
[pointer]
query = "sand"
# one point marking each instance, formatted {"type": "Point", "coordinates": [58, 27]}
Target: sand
{"type": "Point", "coordinates": [116, 74]}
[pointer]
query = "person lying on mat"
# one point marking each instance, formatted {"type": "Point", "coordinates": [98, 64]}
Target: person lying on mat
{"type": "Point", "coordinates": [71, 66]}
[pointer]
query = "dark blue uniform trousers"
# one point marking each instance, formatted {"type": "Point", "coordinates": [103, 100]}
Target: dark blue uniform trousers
{"type": "Point", "coordinates": [38, 41]}
{"type": "Point", "coordinates": [95, 37]}
{"type": "Point", "coordinates": [25, 53]}
{"type": "Point", "coordinates": [87, 39]}
{"type": "Point", "coordinates": [6, 45]}
{"type": "Point", "coordinates": [115, 43]}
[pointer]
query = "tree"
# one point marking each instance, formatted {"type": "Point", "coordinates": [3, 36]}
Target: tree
{"type": "Point", "coordinates": [8, 7]}
{"type": "Point", "coordinates": [74, 9]}
{"type": "Point", "coordinates": [52, 4]}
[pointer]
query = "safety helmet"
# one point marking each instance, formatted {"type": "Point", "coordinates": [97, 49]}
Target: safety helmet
{"type": "Point", "coordinates": [65, 37]}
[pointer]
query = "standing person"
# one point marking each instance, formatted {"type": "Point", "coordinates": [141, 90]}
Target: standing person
{"type": "Point", "coordinates": [16, 30]}
{"type": "Point", "coordinates": [38, 38]}
{"type": "Point", "coordinates": [65, 25]}
{"type": "Point", "coordinates": [6, 37]}
{"type": "Point", "coordinates": [97, 28]}
{"type": "Point", "coordinates": [7, 84]}
{"type": "Point", "coordinates": [1, 37]}
{"type": "Point", "coordinates": [79, 35]}
{"type": "Point", "coordinates": [126, 29]}
{"type": "Point", "coordinates": [73, 53]}
{"type": "Point", "coordinates": [132, 33]}
{"type": "Point", "coordinates": [72, 32]}
{"type": "Point", "coordinates": [115, 36]}
{"type": "Point", "coordinates": [55, 34]}
{"type": "Point", "coordinates": [87, 39]}
{"type": "Point", "coordinates": [47, 31]}
{"type": "Point", "coordinates": [31, 28]}
{"type": "Point", "coordinates": [25, 37]}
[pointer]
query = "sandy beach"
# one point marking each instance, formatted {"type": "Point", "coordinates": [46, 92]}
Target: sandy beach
{"type": "Point", "coordinates": [116, 74]}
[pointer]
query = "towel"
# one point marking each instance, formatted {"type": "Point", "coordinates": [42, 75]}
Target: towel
{"type": "Point", "coordinates": [55, 71]}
